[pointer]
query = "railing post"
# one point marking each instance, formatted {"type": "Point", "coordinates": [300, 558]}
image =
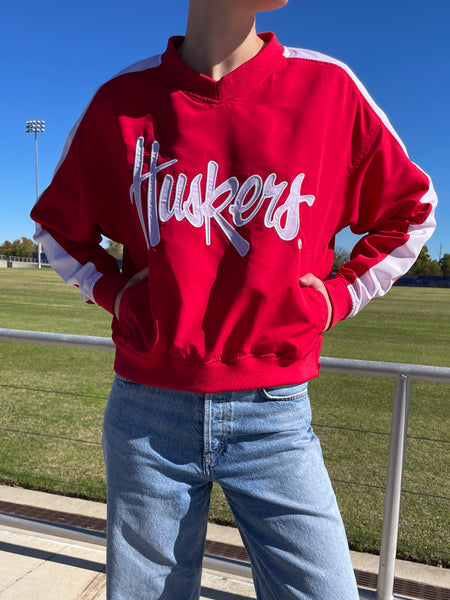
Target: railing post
{"type": "Point", "coordinates": [391, 514]}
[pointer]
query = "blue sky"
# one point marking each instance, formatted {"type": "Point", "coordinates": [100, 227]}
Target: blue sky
{"type": "Point", "coordinates": [54, 55]}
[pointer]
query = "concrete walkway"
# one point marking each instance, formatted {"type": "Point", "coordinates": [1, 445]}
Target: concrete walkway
{"type": "Point", "coordinates": [50, 568]}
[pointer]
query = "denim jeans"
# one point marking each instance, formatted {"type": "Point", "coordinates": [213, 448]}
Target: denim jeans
{"type": "Point", "coordinates": [164, 448]}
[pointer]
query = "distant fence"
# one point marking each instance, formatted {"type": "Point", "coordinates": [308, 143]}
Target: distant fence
{"type": "Point", "coordinates": [435, 281]}
{"type": "Point", "coordinates": [6, 258]}
{"type": "Point", "coordinates": [22, 261]}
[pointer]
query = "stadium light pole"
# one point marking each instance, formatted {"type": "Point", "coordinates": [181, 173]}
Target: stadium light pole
{"type": "Point", "coordinates": [36, 127]}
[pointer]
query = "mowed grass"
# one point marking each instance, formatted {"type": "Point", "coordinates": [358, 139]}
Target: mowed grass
{"type": "Point", "coordinates": [53, 400]}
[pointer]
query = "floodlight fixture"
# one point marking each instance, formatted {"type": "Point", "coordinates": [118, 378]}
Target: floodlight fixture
{"type": "Point", "coordinates": [36, 126]}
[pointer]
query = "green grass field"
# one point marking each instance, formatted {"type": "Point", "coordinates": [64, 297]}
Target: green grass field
{"type": "Point", "coordinates": [53, 400]}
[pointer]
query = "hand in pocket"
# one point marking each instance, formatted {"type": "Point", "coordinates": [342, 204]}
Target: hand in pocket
{"type": "Point", "coordinates": [137, 278]}
{"type": "Point", "coordinates": [310, 280]}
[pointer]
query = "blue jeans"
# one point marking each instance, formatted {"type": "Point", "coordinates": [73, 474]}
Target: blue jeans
{"type": "Point", "coordinates": [163, 449]}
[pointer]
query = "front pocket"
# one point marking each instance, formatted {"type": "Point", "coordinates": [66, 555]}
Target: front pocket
{"type": "Point", "coordinates": [286, 392]}
{"type": "Point", "coordinates": [318, 307]}
{"type": "Point", "coordinates": [135, 328]}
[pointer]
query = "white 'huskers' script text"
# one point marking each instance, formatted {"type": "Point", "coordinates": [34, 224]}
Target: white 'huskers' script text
{"type": "Point", "coordinates": [246, 199]}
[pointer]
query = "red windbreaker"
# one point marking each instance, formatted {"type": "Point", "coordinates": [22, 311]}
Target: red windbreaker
{"type": "Point", "coordinates": [229, 191]}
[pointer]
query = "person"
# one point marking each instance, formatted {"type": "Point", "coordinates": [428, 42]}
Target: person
{"type": "Point", "coordinates": [226, 166]}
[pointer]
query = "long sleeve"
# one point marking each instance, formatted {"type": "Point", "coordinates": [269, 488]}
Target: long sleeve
{"type": "Point", "coordinates": [391, 203]}
{"type": "Point", "coordinates": [72, 213]}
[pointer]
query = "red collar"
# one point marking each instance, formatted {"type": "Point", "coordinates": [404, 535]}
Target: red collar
{"type": "Point", "coordinates": [232, 85]}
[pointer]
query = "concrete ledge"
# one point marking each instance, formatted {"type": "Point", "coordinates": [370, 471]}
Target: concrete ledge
{"type": "Point", "coordinates": [76, 506]}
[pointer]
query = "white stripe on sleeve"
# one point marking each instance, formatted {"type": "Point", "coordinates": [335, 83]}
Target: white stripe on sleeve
{"type": "Point", "coordinates": [69, 269]}
{"type": "Point", "coordinates": [379, 278]}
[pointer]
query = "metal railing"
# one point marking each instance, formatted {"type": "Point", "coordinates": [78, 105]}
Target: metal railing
{"type": "Point", "coordinates": [403, 374]}
{"type": "Point", "coordinates": [10, 259]}
{"type": "Point", "coordinates": [7, 257]}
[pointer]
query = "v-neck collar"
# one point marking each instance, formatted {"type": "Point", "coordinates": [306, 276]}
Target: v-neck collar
{"type": "Point", "coordinates": [234, 84]}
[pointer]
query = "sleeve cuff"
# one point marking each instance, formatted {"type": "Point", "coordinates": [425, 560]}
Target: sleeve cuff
{"type": "Point", "coordinates": [106, 289]}
{"type": "Point", "coordinates": [340, 299]}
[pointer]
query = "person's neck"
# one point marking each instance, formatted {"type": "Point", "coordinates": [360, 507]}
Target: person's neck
{"type": "Point", "coordinates": [218, 39]}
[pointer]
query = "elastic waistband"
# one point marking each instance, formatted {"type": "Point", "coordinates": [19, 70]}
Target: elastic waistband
{"type": "Point", "coordinates": [184, 375]}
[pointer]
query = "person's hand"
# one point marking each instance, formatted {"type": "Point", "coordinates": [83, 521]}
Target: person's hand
{"type": "Point", "coordinates": [310, 280]}
{"type": "Point", "coordinates": [137, 278]}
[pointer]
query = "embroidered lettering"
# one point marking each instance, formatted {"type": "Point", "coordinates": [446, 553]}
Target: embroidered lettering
{"type": "Point", "coordinates": [243, 201]}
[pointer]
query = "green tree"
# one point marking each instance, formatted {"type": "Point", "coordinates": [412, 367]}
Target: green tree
{"type": "Point", "coordinates": [341, 256]}
{"type": "Point", "coordinates": [425, 265]}
{"type": "Point", "coordinates": [434, 268]}
{"type": "Point", "coordinates": [6, 248]}
{"type": "Point", "coordinates": [20, 247]}
{"type": "Point", "coordinates": [444, 263]}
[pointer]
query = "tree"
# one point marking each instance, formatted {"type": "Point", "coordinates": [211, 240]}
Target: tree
{"type": "Point", "coordinates": [444, 263]}
{"type": "Point", "coordinates": [115, 249]}
{"type": "Point", "coordinates": [425, 265]}
{"type": "Point", "coordinates": [341, 256]}
{"type": "Point", "coordinates": [6, 248]}
{"type": "Point", "coordinates": [434, 268]}
{"type": "Point", "coordinates": [20, 247]}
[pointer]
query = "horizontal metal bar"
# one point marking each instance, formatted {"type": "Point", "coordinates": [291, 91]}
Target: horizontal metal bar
{"type": "Point", "coordinates": [86, 342]}
{"type": "Point", "coordinates": [85, 536]}
{"type": "Point", "coordinates": [225, 565]}
{"type": "Point", "coordinates": [373, 368]}
{"type": "Point", "coordinates": [331, 365]}
{"type": "Point", "coordinates": [77, 534]}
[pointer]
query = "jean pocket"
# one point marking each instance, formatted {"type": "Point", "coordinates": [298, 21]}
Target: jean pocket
{"type": "Point", "coordinates": [124, 380]}
{"type": "Point", "coordinates": [286, 392]}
